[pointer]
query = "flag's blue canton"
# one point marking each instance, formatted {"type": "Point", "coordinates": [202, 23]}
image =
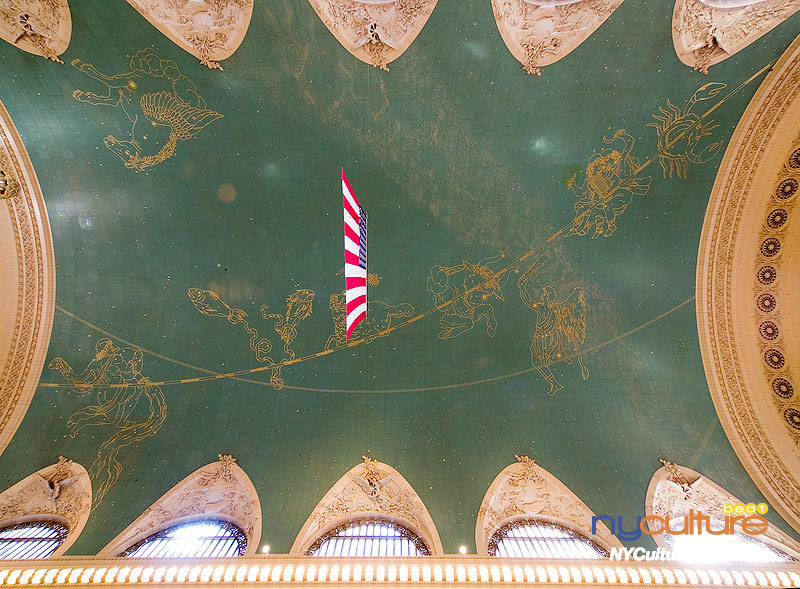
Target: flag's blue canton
{"type": "Point", "coordinates": [362, 240]}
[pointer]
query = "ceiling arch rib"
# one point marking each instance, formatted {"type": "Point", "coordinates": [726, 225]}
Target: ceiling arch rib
{"type": "Point", "coordinates": [706, 32]}
{"type": "Point", "coordinates": [526, 491]}
{"type": "Point", "coordinates": [27, 279]}
{"type": "Point", "coordinates": [41, 27]}
{"type": "Point", "coordinates": [61, 492]}
{"type": "Point", "coordinates": [211, 31]}
{"type": "Point", "coordinates": [540, 32]}
{"type": "Point", "coordinates": [220, 490]}
{"type": "Point", "coordinates": [746, 273]}
{"type": "Point", "coordinates": [375, 31]}
{"type": "Point", "coordinates": [369, 491]}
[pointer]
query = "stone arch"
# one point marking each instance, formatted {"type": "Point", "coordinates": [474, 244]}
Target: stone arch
{"type": "Point", "coordinates": [220, 490]}
{"type": "Point", "coordinates": [61, 492]}
{"type": "Point", "coordinates": [524, 490]}
{"type": "Point", "coordinates": [369, 490]}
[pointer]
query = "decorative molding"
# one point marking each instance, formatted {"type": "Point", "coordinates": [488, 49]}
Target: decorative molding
{"type": "Point", "coordinates": [211, 30]}
{"type": "Point", "coordinates": [27, 279]}
{"type": "Point", "coordinates": [704, 33]}
{"type": "Point", "coordinates": [541, 32]}
{"type": "Point", "coordinates": [41, 27]}
{"type": "Point", "coordinates": [375, 31]}
{"type": "Point", "coordinates": [220, 490]}
{"type": "Point", "coordinates": [745, 277]}
{"type": "Point", "coordinates": [675, 489]}
{"type": "Point", "coordinates": [370, 489]}
{"type": "Point", "coordinates": [525, 490]}
{"type": "Point", "coordinates": [60, 492]}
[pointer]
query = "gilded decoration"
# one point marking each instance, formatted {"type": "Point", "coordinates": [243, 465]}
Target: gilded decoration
{"type": "Point", "coordinates": [126, 404]}
{"type": "Point", "coordinates": [674, 490]}
{"type": "Point", "coordinates": [220, 490]}
{"type": "Point", "coordinates": [371, 489]}
{"type": "Point", "coordinates": [42, 27]}
{"type": "Point", "coordinates": [745, 273]}
{"type": "Point", "coordinates": [525, 490]}
{"type": "Point", "coordinates": [27, 288]}
{"type": "Point", "coordinates": [153, 93]}
{"type": "Point", "coordinates": [211, 30]}
{"type": "Point", "coordinates": [540, 33]}
{"type": "Point", "coordinates": [61, 491]}
{"type": "Point", "coordinates": [704, 35]}
{"type": "Point", "coordinates": [375, 32]}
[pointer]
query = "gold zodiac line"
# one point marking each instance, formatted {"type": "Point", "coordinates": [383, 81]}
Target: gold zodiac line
{"type": "Point", "coordinates": [513, 265]}
{"type": "Point", "coordinates": [239, 375]}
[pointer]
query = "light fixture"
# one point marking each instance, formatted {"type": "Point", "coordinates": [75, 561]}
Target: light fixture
{"type": "Point", "coordinates": [265, 549]}
{"type": "Point", "coordinates": [462, 549]}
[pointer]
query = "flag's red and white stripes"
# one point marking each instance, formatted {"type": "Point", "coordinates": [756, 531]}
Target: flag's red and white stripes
{"type": "Point", "coordinates": [355, 257]}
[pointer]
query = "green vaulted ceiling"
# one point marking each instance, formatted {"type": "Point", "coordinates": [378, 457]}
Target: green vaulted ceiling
{"type": "Point", "coordinates": [458, 156]}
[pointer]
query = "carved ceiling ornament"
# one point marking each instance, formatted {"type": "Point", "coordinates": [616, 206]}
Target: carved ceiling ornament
{"type": "Point", "coordinates": [675, 489]}
{"type": "Point", "coordinates": [27, 279]}
{"type": "Point", "coordinates": [746, 273]}
{"type": "Point", "coordinates": [211, 30]}
{"type": "Point", "coordinates": [371, 489]}
{"type": "Point", "coordinates": [375, 31]}
{"type": "Point", "coordinates": [704, 33]}
{"type": "Point", "coordinates": [220, 490]}
{"type": "Point", "coordinates": [42, 27]}
{"type": "Point", "coordinates": [60, 492]}
{"type": "Point", "coordinates": [524, 490]}
{"type": "Point", "coordinates": [541, 32]}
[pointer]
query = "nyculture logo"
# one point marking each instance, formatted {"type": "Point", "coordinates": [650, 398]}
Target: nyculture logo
{"type": "Point", "coordinates": [746, 516]}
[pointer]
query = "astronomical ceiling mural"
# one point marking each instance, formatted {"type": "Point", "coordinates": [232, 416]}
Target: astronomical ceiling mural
{"type": "Point", "coordinates": [533, 247]}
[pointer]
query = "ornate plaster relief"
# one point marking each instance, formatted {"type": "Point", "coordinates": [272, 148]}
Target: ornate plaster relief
{"type": "Point", "coordinates": [675, 489]}
{"type": "Point", "coordinates": [60, 492]}
{"type": "Point", "coordinates": [211, 30]}
{"type": "Point", "coordinates": [375, 31]}
{"type": "Point", "coordinates": [42, 27]}
{"type": "Point", "coordinates": [747, 264]}
{"type": "Point", "coordinates": [370, 489]}
{"type": "Point", "coordinates": [539, 33]}
{"type": "Point", "coordinates": [220, 490]}
{"type": "Point", "coordinates": [524, 490]}
{"type": "Point", "coordinates": [705, 32]}
{"type": "Point", "coordinates": [27, 279]}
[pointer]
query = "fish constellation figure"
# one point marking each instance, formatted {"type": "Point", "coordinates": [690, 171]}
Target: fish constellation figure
{"type": "Point", "coordinates": [178, 107]}
{"type": "Point", "coordinates": [682, 133]}
{"type": "Point", "coordinates": [134, 408]}
{"type": "Point", "coordinates": [609, 184]}
{"type": "Point", "coordinates": [471, 288]}
{"type": "Point", "coordinates": [560, 327]}
{"type": "Point", "coordinates": [298, 308]}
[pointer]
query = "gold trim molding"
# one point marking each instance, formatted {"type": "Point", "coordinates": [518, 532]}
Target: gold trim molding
{"type": "Point", "coordinates": [41, 27]}
{"type": "Point", "coordinates": [741, 310]}
{"type": "Point", "coordinates": [27, 279]}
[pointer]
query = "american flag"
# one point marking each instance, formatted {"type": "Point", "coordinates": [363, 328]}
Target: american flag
{"type": "Point", "coordinates": [355, 258]}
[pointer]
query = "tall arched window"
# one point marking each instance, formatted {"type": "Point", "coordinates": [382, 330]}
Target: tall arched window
{"type": "Point", "coordinates": [198, 539]}
{"type": "Point", "coordinates": [369, 537]}
{"type": "Point", "coordinates": [538, 539]}
{"type": "Point", "coordinates": [36, 539]}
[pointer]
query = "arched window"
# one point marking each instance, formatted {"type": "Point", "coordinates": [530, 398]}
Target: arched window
{"type": "Point", "coordinates": [704, 547]}
{"type": "Point", "coordinates": [198, 539]}
{"type": "Point", "coordinates": [369, 538]}
{"type": "Point", "coordinates": [538, 539]}
{"type": "Point", "coordinates": [36, 539]}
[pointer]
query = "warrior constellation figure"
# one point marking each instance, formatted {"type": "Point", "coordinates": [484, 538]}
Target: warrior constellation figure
{"type": "Point", "coordinates": [560, 327]}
